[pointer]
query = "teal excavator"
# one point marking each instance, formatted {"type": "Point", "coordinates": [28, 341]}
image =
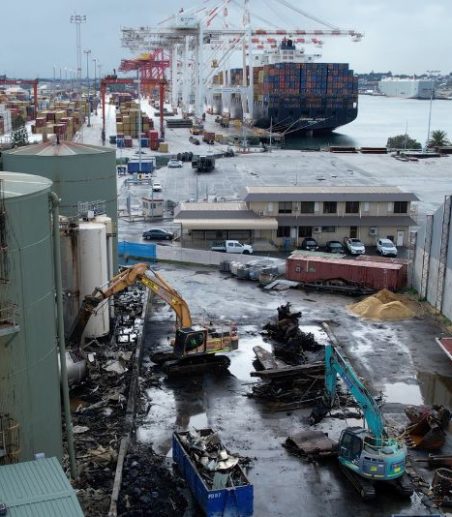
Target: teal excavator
{"type": "Point", "coordinates": [366, 456]}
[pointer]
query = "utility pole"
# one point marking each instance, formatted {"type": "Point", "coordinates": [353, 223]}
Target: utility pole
{"type": "Point", "coordinates": [78, 19]}
{"type": "Point", "coordinates": [88, 52]}
{"type": "Point", "coordinates": [95, 75]}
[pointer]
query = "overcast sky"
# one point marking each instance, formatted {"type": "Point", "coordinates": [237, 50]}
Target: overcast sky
{"type": "Point", "coordinates": [403, 36]}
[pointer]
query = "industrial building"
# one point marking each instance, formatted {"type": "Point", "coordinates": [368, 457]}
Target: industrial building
{"type": "Point", "coordinates": [286, 215]}
{"type": "Point", "coordinates": [407, 88]}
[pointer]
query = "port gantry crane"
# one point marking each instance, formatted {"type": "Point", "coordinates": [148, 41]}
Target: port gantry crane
{"type": "Point", "coordinates": [189, 33]}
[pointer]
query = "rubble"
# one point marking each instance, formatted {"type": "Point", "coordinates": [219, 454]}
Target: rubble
{"type": "Point", "coordinates": [99, 404]}
{"type": "Point", "coordinates": [150, 487]}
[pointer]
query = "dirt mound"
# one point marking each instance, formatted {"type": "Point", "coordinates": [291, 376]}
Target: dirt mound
{"type": "Point", "coordinates": [383, 305]}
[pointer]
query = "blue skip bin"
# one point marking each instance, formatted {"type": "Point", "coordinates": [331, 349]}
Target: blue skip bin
{"type": "Point", "coordinates": [231, 501]}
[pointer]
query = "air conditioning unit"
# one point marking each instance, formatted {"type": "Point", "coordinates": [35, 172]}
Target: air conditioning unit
{"type": "Point", "coordinates": [373, 231]}
{"type": "Point", "coordinates": [317, 229]}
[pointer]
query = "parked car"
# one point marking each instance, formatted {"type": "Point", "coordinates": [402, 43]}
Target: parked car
{"type": "Point", "coordinates": [334, 247]}
{"type": "Point", "coordinates": [386, 247]}
{"type": "Point", "coordinates": [156, 186]}
{"type": "Point", "coordinates": [354, 246]}
{"type": "Point", "coordinates": [158, 234]}
{"type": "Point", "coordinates": [194, 140]}
{"type": "Point", "coordinates": [309, 244]}
{"type": "Point", "coordinates": [174, 164]}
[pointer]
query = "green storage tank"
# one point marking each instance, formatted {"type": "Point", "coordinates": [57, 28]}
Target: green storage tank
{"type": "Point", "coordinates": [29, 377]}
{"type": "Point", "coordinates": [79, 172]}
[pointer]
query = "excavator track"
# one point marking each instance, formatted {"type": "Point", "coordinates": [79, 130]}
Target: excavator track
{"type": "Point", "coordinates": [402, 485]}
{"type": "Point", "coordinates": [364, 487]}
{"type": "Point", "coordinates": [196, 365]}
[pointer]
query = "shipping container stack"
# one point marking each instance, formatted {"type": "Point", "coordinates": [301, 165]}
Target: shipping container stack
{"type": "Point", "coordinates": [64, 120]}
{"type": "Point", "coordinates": [127, 123]}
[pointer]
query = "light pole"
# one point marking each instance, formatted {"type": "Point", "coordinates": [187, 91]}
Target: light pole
{"type": "Point", "coordinates": [95, 75]}
{"type": "Point", "coordinates": [88, 52]}
{"type": "Point", "coordinates": [432, 91]}
{"type": "Point", "coordinates": [78, 19]}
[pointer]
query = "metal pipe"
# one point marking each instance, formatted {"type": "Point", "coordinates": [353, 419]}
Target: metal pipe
{"type": "Point", "coordinates": [61, 342]}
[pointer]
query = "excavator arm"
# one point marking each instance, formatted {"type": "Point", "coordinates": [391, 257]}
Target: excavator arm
{"type": "Point", "coordinates": [138, 273]}
{"type": "Point", "coordinates": [336, 365]}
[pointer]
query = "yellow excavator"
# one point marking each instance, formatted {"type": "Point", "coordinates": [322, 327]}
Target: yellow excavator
{"type": "Point", "coordinates": [194, 346]}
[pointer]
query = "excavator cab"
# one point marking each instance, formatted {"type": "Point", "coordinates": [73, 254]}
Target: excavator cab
{"type": "Point", "coordinates": [189, 340]}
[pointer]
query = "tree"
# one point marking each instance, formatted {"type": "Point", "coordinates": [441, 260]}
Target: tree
{"type": "Point", "coordinates": [438, 138]}
{"type": "Point", "coordinates": [17, 122]}
{"type": "Point", "coordinates": [403, 142]}
{"type": "Point", "coordinates": [20, 137]}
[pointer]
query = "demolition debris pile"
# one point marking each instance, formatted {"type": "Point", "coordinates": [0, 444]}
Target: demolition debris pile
{"type": "Point", "coordinates": [99, 404]}
{"type": "Point", "coordinates": [148, 486]}
{"type": "Point", "coordinates": [383, 306]}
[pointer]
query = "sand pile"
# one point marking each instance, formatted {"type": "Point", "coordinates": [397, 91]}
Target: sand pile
{"type": "Point", "coordinates": [383, 305]}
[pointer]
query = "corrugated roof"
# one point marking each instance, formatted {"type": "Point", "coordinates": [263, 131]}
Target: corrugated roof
{"type": "Point", "coordinates": [327, 193]}
{"type": "Point", "coordinates": [366, 262]}
{"type": "Point", "coordinates": [62, 149]}
{"type": "Point", "coordinates": [17, 184]}
{"type": "Point", "coordinates": [37, 489]}
{"type": "Point", "coordinates": [346, 220]}
{"type": "Point", "coordinates": [222, 223]}
{"type": "Point", "coordinates": [210, 207]}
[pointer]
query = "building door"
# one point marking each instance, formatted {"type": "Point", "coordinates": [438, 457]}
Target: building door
{"type": "Point", "coordinates": [400, 237]}
{"type": "Point", "coordinates": [353, 232]}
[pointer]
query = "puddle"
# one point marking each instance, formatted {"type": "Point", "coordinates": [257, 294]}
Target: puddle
{"type": "Point", "coordinates": [436, 389]}
{"type": "Point", "coordinates": [242, 359]}
{"type": "Point", "coordinates": [402, 393]}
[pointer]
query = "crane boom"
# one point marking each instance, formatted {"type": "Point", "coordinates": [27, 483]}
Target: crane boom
{"type": "Point", "coordinates": [337, 365]}
{"type": "Point", "coordinates": [140, 273]}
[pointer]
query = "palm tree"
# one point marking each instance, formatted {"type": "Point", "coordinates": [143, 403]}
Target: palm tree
{"type": "Point", "coordinates": [438, 138]}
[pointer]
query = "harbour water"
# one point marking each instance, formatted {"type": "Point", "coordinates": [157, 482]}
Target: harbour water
{"type": "Point", "coordinates": [382, 117]}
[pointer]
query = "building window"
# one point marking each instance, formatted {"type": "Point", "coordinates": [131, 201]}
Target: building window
{"type": "Point", "coordinates": [283, 231]}
{"type": "Point", "coordinates": [285, 207]}
{"type": "Point", "coordinates": [400, 207]}
{"type": "Point", "coordinates": [328, 229]}
{"type": "Point", "coordinates": [353, 232]}
{"type": "Point", "coordinates": [307, 207]}
{"type": "Point", "coordinates": [329, 207]}
{"type": "Point", "coordinates": [352, 207]}
{"type": "Point", "coordinates": [305, 231]}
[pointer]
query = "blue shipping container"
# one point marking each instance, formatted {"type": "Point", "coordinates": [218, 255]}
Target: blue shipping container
{"type": "Point", "coordinates": [134, 166]}
{"type": "Point", "coordinates": [237, 500]}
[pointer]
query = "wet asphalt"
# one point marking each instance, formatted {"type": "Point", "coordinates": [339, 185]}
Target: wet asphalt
{"type": "Point", "coordinates": [400, 361]}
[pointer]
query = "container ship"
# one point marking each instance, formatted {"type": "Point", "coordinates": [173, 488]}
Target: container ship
{"type": "Point", "coordinates": [292, 94]}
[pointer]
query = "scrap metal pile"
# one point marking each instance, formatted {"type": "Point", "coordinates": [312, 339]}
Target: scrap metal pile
{"type": "Point", "coordinates": [99, 404]}
{"type": "Point", "coordinates": [289, 341]}
{"type": "Point", "coordinates": [218, 468]}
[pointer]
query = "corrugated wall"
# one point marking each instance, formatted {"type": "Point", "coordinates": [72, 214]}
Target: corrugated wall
{"type": "Point", "coordinates": [426, 279]}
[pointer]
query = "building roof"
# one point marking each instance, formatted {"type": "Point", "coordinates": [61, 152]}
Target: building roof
{"type": "Point", "coordinates": [327, 193]}
{"type": "Point", "coordinates": [231, 215]}
{"type": "Point", "coordinates": [62, 149]}
{"type": "Point", "coordinates": [37, 488]}
{"type": "Point", "coordinates": [346, 220]}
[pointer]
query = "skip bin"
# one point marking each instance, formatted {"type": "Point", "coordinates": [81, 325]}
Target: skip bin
{"type": "Point", "coordinates": [236, 501]}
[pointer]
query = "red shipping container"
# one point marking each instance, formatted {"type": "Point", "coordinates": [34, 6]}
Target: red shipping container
{"type": "Point", "coordinates": [377, 274]}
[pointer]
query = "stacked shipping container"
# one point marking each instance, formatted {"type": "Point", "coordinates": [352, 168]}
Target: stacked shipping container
{"type": "Point", "coordinates": [302, 96]}
{"type": "Point", "coordinates": [63, 120]}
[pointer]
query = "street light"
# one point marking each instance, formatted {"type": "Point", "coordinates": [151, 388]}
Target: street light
{"type": "Point", "coordinates": [95, 75]}
{"type": "Point", "coordinates": [88, 52]}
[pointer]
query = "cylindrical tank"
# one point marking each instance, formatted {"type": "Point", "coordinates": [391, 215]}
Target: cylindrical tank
{"type": "Point", "coordinates": [93, 268]}
{"type": "Point", "coordinates": [80, 173]}
{"type": "Point", "coordinates": [29, 379]}
{"type": "Point", "coordinates": [75, 261]}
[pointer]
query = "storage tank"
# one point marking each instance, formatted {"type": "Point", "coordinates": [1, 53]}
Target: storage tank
{"type": "Point", "coordinates": [86, 263]}
{"type": "Point", "coordinates": [29, 379]}
{"type": "Point", "coordinates": [80, 173]}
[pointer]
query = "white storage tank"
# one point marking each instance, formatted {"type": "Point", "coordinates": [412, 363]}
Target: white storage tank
{"type": "Point", "coordinates": [93, 272]}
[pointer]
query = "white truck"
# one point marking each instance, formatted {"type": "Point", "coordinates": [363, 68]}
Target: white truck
{"type": "Point", "coordinates": [231, 246]}
{"type": "Point", "coordinates": [354, 246]}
